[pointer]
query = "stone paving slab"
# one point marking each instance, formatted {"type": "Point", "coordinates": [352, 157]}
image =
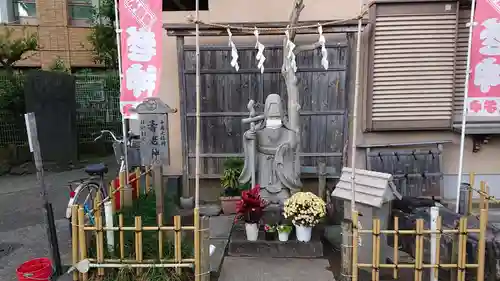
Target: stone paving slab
{"type": "Point", "coordinates": [220, 226]}
{"type": "Point", "coordinates": [275, 269]}
{"type": "Point", "coordinates": [218, 255]}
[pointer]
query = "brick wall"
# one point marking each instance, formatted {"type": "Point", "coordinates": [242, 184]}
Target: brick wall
{"type": "Point", "coordinates": [56, 38]}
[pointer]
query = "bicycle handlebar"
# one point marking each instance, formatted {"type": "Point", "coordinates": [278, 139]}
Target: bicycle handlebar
{"type": "Point", "coordinates": [109, 132]}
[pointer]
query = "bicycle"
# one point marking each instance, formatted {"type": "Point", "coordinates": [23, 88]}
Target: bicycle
{"type": "Point", "coordinates": [87, 188]}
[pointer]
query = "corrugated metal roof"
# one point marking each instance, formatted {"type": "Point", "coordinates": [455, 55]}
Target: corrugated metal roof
{"type": "Point", "coordinates": [372, 188]}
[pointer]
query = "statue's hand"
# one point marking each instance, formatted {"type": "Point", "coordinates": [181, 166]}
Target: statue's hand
{"type": "Point", "coordinates": [250, 135]}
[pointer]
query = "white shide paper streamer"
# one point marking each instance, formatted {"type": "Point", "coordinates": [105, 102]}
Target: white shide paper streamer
{"type": "Point", "coordinates": [234, 51]}
{"type": "Point", "coordinates": [290, 46]}
{"type": "Point", "coordinates": [260, 54]}
{"type": "Point", "coordinates": [324, 53]}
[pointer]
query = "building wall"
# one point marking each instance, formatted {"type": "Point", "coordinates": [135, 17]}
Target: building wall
{"type": "Point", "coordinates": [56, 37]}
{"type": "Point", "coordinates": [485, 163]}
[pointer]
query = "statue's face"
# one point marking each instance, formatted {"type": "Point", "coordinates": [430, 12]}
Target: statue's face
{"type": "Point", "coordinates": [273, 118]}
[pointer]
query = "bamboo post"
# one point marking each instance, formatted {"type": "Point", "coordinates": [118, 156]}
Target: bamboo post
{"type": "Point", "coordinates": [346, 250]}
{"type": "Point", "coordinates": [419, 250]}
{"type": "Point", "coordinates": [177, 242]}
{"type": "Point", "coordinates": [138, 242]}
{"type": "Point", "coordinates": [111, 193]}
{"type": "Point", "coordinates": [121, 180]}
{"type": "Point", "coordinates": [483, 220]}
{"type": "Point", "coordinates": [454, 255]}
{"type": "Point", "coordinates": [138, 182]}
{"type": "Point", "coordinates": [148, 180]}
{"type": "Point", "coordinates": [354, 216]}
{"type": "Point", "coordinates": [205, 248]}
{"type": "Point", "coordinates": [197, 261]}
{"type": "Point", "coordinates": [439, 227]}
{"type": "Point", "coordinates": [160, 236]}
{"type": "Point", "coordinates": [376, 249]}
{"type": "Point", "coordinates": [74, 238]}
{"type": "Point", "coordinates": [487, 197]}
{"type": "Point", "coordinates": [122, 237]}
{"type": "Point", "coordinates": [99, 234]}
{"type": "Point", "coordinates": [472, 178]}
{"type": "Point", "coordinates": [482, 204]}
{"type": "Point", "coordinates": [395, 259]}
{"type": "Point", "coordinates": [82, 239]}
{"type": "Point", "coordinates": [462, 240]}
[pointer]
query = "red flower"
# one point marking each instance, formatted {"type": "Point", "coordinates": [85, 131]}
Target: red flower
{"type": "Point", "coordinates": [250, 207]}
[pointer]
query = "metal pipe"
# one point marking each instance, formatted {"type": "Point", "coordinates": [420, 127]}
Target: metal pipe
{"type": "Point", "coordinates": [198, 105]}
{"type": "Point", "coordinates": [464, 109]}
{"type": "Point", "coordinates": [355, 111]}
{"type": "Point", "coordinates": [120, 75]}
{"type": "Point", "coordinates": [404, 144]}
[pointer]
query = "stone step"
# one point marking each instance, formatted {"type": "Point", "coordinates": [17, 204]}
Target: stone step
{"type": "Point", "coordinates": [239, 246]}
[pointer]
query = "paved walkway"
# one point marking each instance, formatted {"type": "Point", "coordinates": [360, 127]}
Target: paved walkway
{"type": "Point", "coordinates": [22, 227]}
{"type": "Point", "coordinates": [275, 269]}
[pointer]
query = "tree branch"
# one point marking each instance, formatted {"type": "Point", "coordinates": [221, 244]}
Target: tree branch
{"type": "Point", "coordinates": [298, 6]}
{"type": "Point", "coordinates": [308, 47]}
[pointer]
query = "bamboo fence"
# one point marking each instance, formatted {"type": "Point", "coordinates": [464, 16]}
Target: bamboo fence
{"type": "Point", "coordinates": [81, 231]}
{"type": "Point", "coordinates": [461, 265]}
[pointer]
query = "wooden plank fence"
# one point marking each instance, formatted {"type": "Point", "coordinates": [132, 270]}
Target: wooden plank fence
{"type": "Point", "coordinates": [92, 242]}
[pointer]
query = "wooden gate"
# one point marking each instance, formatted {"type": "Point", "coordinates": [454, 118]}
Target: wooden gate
{"type": "Point", "coordinates": [225, 94]}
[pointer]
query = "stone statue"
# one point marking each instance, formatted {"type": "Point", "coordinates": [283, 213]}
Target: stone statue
{"type": "Point", "coordinates": [271, 153]}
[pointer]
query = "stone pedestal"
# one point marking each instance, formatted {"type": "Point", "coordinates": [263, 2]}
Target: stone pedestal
{"type": "Point", "coordinates": [239, 246]}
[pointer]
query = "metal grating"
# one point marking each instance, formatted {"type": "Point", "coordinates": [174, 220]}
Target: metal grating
{"type": "Point", "coordinates": [413, 71]}
{"type": "Point", "coordinates": [415, 172]}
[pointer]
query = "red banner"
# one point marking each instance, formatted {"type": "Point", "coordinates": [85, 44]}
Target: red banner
{"type": "Point", "coordinates": [141, 51]}
{"type": "Point", "coordinates": [484, 82]}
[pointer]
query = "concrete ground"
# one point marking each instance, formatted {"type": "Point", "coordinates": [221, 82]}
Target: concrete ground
{"type": "Point", "coordinates": [275, 269]}
{"type": "Point", "coordinates": [22, 227]}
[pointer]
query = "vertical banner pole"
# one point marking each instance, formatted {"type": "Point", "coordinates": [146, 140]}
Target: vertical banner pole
{"type": "Point", "coordinates": [464, 109]}
{"type": "Point", "coordinates": [355, 109]}
{"type": "Point", "coordinates": [198, 105]}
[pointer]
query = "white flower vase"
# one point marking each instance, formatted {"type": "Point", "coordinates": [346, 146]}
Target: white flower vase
{"type": "Point", "coordinates": [283, 236]}
{"type": "Point", "coordinates": [303, 233]}
{"type": "Point", "coordinates": [252, 231]}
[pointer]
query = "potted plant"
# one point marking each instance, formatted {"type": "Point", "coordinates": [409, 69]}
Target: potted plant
{"type": "Point", "coordinates": [270, 232]}
{"type": "Point", "coordinates": [250, 210]}
{"type": "Point", "coordinates": [284, 232]}
{"type": "Point", "coordinates": [305, 209]}
{"type": "Point", "coordinates": [231, 185]}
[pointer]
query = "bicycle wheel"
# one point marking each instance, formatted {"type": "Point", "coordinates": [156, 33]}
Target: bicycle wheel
{"type": "Point", "coordinates": [84, 196]}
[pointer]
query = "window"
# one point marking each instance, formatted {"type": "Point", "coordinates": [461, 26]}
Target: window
{"type": "Point", "coordinates": [81, 12]}
{"type": "Point", "coordinates": [25, 9]}
{"type": "Point", "coordinates": [183, 5]}
{"type": "Point", "coordinates": [18, 11]}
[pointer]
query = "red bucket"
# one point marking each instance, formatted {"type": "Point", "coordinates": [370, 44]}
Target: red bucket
{"type": "Point", "coordinates": [35, 270]}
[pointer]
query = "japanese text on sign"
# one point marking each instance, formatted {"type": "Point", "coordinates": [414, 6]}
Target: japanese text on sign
{"type": "Point", "coordinates": [141, 39]}
{"type": "Point", "coordinates": [154, 147]}
{"type": "Point", "coordinates": [484, 84]}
